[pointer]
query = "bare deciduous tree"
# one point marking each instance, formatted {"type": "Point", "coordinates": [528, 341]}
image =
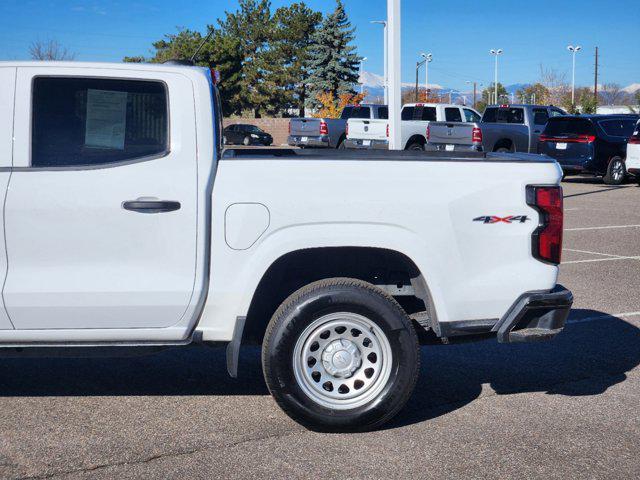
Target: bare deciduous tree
{"type": "Point", "coordinates": [50, 50]}
{"type": "Point", "coordinates": [556, 85]}
{"type": "Point", "coordinates": [612, 94]}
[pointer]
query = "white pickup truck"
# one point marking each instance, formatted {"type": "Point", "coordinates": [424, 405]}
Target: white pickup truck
{"type": "Point", "coordinates": [374, 134]}
{"type": "Point", "coordinates": [126, 225]}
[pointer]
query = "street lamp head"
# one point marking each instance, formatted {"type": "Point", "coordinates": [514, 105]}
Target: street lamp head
{"type": "Point", "coordinates": [573, 49]}
{"type": "Point", "coordinates": [364, 59]}
{"type": "Point", "coordinates": [496, 52]}
{"type": "Point", "coordinates": [427, 56]}
{"type": "Point", "coordinates": [379, 22]}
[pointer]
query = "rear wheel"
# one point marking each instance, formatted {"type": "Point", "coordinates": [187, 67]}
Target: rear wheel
{"type": "Point", "coordinates": [616, 172]}
{"type": "Point", "coordinates": [415, 146]}
{"type": "Point", "coordinates": [340, 355]}
{"type": "Point", "coordinates": [247, 141]}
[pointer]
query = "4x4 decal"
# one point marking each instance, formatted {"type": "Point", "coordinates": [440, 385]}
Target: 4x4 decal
{"type": "Point", "coordinates": [495, 219]}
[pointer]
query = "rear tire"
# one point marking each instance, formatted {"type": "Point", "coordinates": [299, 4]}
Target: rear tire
{"type": "Point", "coordinates": [415, 146]}
{"type": "Point", "coordinates": [247, 141]}
{"type": "Point", "coordinates": [340, 355]}
{"type": "Point", "coordinates": [616, 172]}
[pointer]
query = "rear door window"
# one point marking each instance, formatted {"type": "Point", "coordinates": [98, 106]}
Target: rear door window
{"type": "Point", "coordinates": [540, 116]}
{"type": "Point", "coordinates": [428, 114]}
{"type": "Point", "coordinates": [452, 114]}
{"type": "Point", "coordinates": [618, 128]}
{"type": "Point", "coordinates": [97, 121]}
{"type": "Point", "coordinates": [383, 113]}
{"type": "Point", "coordinates": [471, 116]}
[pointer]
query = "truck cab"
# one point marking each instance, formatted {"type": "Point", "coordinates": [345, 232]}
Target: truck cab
{"type": "Point", "coordinates": [515, 128]}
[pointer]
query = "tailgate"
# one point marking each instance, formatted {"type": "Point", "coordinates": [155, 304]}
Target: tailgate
{"type": "Point", "coordinates": [367, 129]}
{"type": "Point", "coordinates": [308, 127]}
{"type": "Point", "coordinates": [451, 133]}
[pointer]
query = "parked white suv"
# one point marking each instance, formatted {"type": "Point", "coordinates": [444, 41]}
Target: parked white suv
{"type": "Point", "coordinates": [126, 225]}
{"type": "Point", "coordinates": [374, 134]}
{"type": "Point", "coordinates": [633, 154]}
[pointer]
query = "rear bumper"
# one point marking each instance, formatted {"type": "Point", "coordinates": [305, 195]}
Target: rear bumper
{"type": "Point", "coordinates": [634, 171]}
{"type": "Point", "coordinates": [440, 147]}
{"type": "Point", "coordinates": [300, 141]}
{"type": "Point", "coordinates": [535, 317]}
{"type": "Point", "coordinates": [358, 144]}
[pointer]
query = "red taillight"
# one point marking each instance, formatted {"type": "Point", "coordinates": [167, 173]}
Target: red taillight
{"type": "Point", "coordinates": [428, 133]}
{"type": "Point", "coordinates": [547, 239]}
{"type": "Point", "coordinates": [346, 130]}
{"type": "Point", "coordinates": [476, 135]}
{"type": "Point", "coordinates": [289, 127]}
{"type": "Point", "coordinates": [387, 130]}
{"type": "Point", "coordinates": [324, 128]}
{"type": "Point", "coordinates": [635, 140]}
{"type": "Point", "coordinates": [578, 139]}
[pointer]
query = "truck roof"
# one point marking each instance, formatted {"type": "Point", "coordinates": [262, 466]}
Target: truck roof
{"type": "Point", "coordinates": [150, 67]}
{"type": "Point", "coordinates": [522, 105]}
{"type": "Point", "coordinates": [424, 104]}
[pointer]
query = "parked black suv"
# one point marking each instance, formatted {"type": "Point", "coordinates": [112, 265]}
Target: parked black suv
{"type": "Point", "coordinates": [246, 135]}
{"type": "Point", "coordinates": [590, 144]}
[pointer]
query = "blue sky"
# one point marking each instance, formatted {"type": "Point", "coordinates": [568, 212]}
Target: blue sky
{"type": "Point", "coordinates": [459, 34]}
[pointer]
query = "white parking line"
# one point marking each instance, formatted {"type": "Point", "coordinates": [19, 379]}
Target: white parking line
{"type": "Point", "coordinates": [600, 228]}
{"type": "Point", "coordinates": [593, 253]}
{"type": "Point", "coordinates": [602, 317]}
{"type": "Point", "coordinates": [613, 259]}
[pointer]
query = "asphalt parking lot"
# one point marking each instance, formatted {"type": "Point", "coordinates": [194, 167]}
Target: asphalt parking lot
{"type": "Point", "coordinates": [567, 409]}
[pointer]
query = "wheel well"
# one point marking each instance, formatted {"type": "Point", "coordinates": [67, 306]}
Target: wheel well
{"type": "Point", "coordinates": [342, 138]}
{"type": "Point", "coordinates": [416, 139]}
{"type": "Point", "coordinates": [504, 143]}
{"type": "Point", "coordinates": [390, 270]}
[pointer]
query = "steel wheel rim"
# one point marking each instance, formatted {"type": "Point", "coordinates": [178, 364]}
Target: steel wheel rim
{"type": "Point", "coordinates": [617, 170]}
{"type": "Point", "coordinates": [342, 360]}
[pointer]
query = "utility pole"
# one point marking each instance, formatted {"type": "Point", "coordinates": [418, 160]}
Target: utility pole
{"type": "Point", "coordinates": [595, 86]}
{"type": "Point", "coordinates": [395, 75]}
{"type": "Point", "coordinates": [475, 91]}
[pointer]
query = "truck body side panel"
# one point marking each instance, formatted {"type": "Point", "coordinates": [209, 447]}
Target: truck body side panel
{"type": "Point", "coordinates": [423, 209]}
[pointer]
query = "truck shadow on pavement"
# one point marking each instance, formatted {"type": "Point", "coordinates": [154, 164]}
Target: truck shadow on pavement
{"type": "Point", "coordinates": [592, 354]}
{"type": "Point", "coordinates": [589, 357]}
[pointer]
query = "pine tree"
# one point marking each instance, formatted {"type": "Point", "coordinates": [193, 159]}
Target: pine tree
{"type": "Point", "coordinates": [334, 62]}
{"type": "Point", "coordinates": [252, 25]}
{"type": "Point", "coordinates": [294, 29]}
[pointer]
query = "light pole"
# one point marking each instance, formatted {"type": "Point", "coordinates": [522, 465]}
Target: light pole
{"type": "Point", "coordinates": [386, 54]}
{"type": "Point", "coordinates": [364, 59]}
{"type": "Point", "coordinates": [395, 79]}
{"type": "Point", "coordinates": [428, 58]}
{"type": "Point", "coordinates": [496, 53]}
{"type": "Point", "coordinates": [573, 51]}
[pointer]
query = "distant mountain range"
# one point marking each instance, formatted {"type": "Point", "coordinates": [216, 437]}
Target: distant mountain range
{"type": "Point", "coordinates": [374, 85]}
